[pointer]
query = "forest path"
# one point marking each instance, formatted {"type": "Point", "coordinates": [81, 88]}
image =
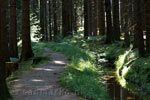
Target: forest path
{"type": "Point", "coordinates": [42, 83]}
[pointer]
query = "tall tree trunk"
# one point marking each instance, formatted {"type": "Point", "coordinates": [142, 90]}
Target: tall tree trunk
{"type": "Point", "coordinates": [86, 18]}
{"type": "Point", "coordinates": [42, 20]}
{"type": "Point", "coordinates": [4, 93]}
{"type": "Point", "coordinates": [55, 18]}
{"type": "Point", "coordinates": [66, 18]}
{"type": "Point", "coordinates": [50, 21]}
{"type": "Point", "coordinates": [139, 27]}
{"type": "Point", "coordinates": [26, 40]}
{"type": "Point", "coordinates": [95, 17]}
{"type": "Point", "coordinates": [13, 30]}
{"type": "Point", "coordinates": [127, 36]}
{"type": "Point", "coordinates": [90, 18]}
{"type": "Point", "coordinates": [109, 22]}
{"type": "Point", "coordinates": [45, 20]}
{"type": "Point", "coordinates": [125, 18]}
{"type": "Point", "coordinates": [135, 44]}
{"type": "Point", "coordinates": [116, 24]}
{"type": "Point", "coordinates": [147, 16]}
{"type": "Point", "coordinates": [101, 13]}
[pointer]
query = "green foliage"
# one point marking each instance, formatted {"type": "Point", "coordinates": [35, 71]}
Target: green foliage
{"type": "Point", "coordinates": [81, 76]}
{"type": "Point", "coordinates": [85, 83]}
{"type": "Point", "coordinates": [113, 51]}
{"type": "Point", "coordinates": [130, 68]}
{"type": "Point", "coordinates": [134, 70]}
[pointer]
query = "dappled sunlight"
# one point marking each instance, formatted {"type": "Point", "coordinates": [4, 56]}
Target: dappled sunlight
{"type": "Point", "coordinates": [59, 62]}
{"type": "Point", "coordinates": [44, 69]}
{"type": "Point", "coordinates": [37, 80]}
{"type": "Point", "coordinates": [82, 65]}
{"type": "Point", "coordinates": [48, 69]}
{"type": "Point", "coordinates": [123, 82]}
{"type": "Point", "coordinates": [122, 59]}
{"type": "Point", "coordinates": [17, 80]}
{"type": "Point", "coordinates": [125, 70]}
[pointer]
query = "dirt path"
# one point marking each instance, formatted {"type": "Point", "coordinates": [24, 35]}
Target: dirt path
{"type": "Point", "coordinates": [42, 83]}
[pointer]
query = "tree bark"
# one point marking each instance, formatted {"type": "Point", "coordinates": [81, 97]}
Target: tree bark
{"type": "Point", "coordinates": [4, 93]}
{"type": "Point", "coordinates": [116, 23]}
{"type": "Point", "coordinates": [147, 16]}
{"type": "Point", "coordinates": [45, 20]}
{"type": "Point", "coordinates": [90, 18]}
{"type": "Point", "coordinates": [50, 21]}
{"type": "Point", "coordinates": [42, 20]}
{"type": "Point", "coordinates": [139, 27]}
{"type": "Point", "coordinates": [101, 13]}
{"type": "Point", "coordinates": [13, 30]}
{"type": "Point", "coordinates": [66, 18]}
{"type": "Point", "coordinates": [95, 18]}
{"type": "Point", "coordinates": [55, 18]}
{"type": "Point", "coordinates": [86, 19]}
{"type": "Point", "coordinates": [26, 40]}
{"type": "Point", "coordinates": [109, 22]}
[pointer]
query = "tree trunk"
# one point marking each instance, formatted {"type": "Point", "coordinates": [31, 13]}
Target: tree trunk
{"type": "Point", "coordinates": [139, 27]}
{"type": "Point", "coordinates": [147, 16]}
{"type": "Point", "coordinates": [50, 21]}
{"type": "Point", "coordinates": [4, 93]}
{"type": "Point", "coordinates": [101, 13]}
{"type": "Point", "coordinates": [116, 24]}
{"type": "Point", "coordinates": [45, 20]}
{"type": "Point", "coordinates": [66, 18]}
{"type": "Point", "coordinates": [135, 44]}
{"type": "Point", "coordinates": [55, 18]}
{"type": "Point", "coordinates": [26, 40]}
{"type": "Point", "coordinates": [13, 30]}
{"type": "Point", "coordinates": [42, 20]}
{"type": "Point", "coordinates": [86, 19]}
{"type": "Point", "coordinates": [125, 24]}
{"type": "Point", "coordinates": [109, 22]}
{"type": "Point", "coordinates": [90, 18]}
{"type": "Point", "coordinates": [95, 17]}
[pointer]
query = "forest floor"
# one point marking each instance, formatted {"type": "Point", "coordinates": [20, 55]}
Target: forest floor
{"type": "Point", "coordinates": [42, 83]}
{"type": "Point", "coordinates": [81, 67]}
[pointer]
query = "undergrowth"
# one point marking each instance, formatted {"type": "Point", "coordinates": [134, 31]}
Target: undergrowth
{"type": "Point", "coordinates": [82, 76]}
{"type": "Point", "coordinates": [133, 72]}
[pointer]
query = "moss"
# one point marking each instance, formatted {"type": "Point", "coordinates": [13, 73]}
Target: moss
{"type": "Point", "coordinates": [134, 70]}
